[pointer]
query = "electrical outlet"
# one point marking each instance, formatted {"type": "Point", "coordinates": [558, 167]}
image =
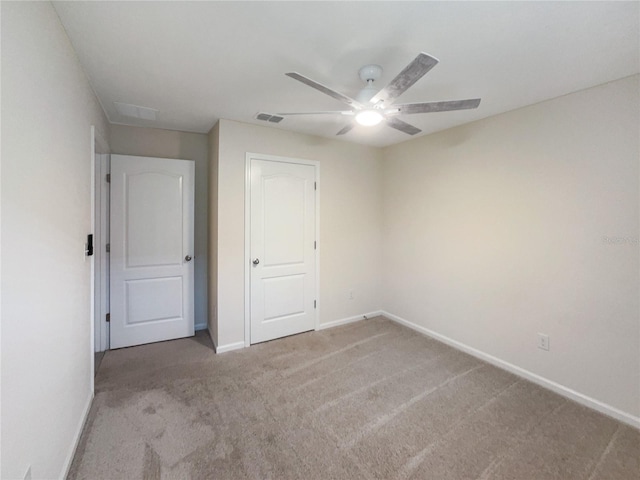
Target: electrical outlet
{"type": "Point", "coordinates": [543, 341]}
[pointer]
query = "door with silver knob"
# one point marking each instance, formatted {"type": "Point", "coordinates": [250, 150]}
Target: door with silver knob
{"type": "Point", "coordinates": [282, 248]}
{"type": "Point", "coordinates": [151, 234]}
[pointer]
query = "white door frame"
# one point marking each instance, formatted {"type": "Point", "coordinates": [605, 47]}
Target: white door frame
{"type": "Point", "coordinates": [247, 235]}
{"type": "Point", "coordinates": [100, 218]}
{"type": "Point", "coordinates": [92, 283]}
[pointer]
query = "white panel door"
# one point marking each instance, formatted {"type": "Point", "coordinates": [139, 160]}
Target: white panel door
{"type": "Point", "coordinates": [151, 250]}
{"type": "Point", "coordinates": [282, 249]}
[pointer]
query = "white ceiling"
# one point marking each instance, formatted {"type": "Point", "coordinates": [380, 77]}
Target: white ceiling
{"type": "Point", "coordinates": [196, 62]}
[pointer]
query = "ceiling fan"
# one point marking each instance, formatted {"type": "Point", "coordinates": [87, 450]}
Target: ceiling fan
{"type": "Point", "coordinates": [371, 106]}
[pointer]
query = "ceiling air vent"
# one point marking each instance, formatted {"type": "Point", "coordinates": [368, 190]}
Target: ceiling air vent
{"type": "Point", "coordinates": [267, 117]}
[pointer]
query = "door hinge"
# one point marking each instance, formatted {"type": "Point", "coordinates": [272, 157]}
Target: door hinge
{"type": "Point", "coordinates": [108, 317]}
{"type": "Point", "coordinates": [315, 245]}
{"type": "Point", "coordinates": [108, 248]}
{"type": "Point", "coordinates": [314, 304]}
{"type": "Point", "coordinates": [108, 178]}
{"type": "Point", "coordinates": [315, 185]}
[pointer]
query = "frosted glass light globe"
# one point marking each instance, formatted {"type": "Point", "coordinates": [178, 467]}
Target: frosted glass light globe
{"type": "Point", "coordinates": [368, 118]}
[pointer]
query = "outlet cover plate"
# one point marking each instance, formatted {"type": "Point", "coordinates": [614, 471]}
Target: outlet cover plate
{"type": "Point", "coordinates": [543, 341]}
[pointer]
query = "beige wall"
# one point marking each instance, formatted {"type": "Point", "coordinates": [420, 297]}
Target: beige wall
{"type": "Point", "coordinates": [154, 142]}
{"type": "Point", "coordinates": [350, 221]}
{"type": "Point", "coordinates": [48, 108]}
{"type": "Point", "coordinates": [214, 145]}
{"type": "Point", "coordinates": [503, 228]}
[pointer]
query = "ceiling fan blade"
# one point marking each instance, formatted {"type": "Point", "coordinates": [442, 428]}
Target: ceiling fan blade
{"type": "Point", "coordinates": [346, 129]}
{"type": "Point", "coordinates": [407, 77]}
{"type": "Point", "coordinates": [429, 107]}
{"type": "Point", "coordinates": [398, 124]}
{"type": "Point", "coordinates": [335, 112]}
{"type": "Point", "coordinates": [324, 89]}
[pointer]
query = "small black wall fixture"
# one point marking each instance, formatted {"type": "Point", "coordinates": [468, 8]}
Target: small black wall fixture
{"type": "Point", "coordinates": [89, 250]}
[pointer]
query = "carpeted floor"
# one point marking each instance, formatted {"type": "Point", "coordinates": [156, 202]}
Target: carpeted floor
{"type": "Point", "coordinates": [367, 400]}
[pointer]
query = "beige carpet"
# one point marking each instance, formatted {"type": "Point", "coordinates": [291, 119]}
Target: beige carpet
{"type": "Point", "coordinates": [367, 400]}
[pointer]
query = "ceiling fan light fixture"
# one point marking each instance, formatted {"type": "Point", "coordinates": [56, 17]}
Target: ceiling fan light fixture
{"type": "Point", "coordinates": [369, 118]}
{"type": "Point", "coordinates": [370, 108]}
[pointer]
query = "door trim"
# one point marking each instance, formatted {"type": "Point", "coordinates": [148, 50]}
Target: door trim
{"type": "Point", "coordinates": [247, 235]}
{"type": "Point", "coordinates": [101, 238]}
{"type": "Point", "coordinates": [99, 163]}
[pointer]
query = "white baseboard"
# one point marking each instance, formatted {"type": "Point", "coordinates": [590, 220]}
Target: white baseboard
{"type": "Point", "coordinates": [225, 348]}
{"type": "Point", "coordinates": [76, 440]}
{"type": "Point", "coordinates": [200, 326]}
{"type": "Point", "coordinates": [228, 347]}
{"type": "Point", "coordinates": [521, 372]}
{"type": "Point", "coordinates": [344, 321]}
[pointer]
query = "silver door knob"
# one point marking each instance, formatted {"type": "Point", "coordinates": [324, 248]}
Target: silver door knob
{"type": "Point", "coordinates": [256, 261]}
{"type": "Point", "coordinates": [188, 258]}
